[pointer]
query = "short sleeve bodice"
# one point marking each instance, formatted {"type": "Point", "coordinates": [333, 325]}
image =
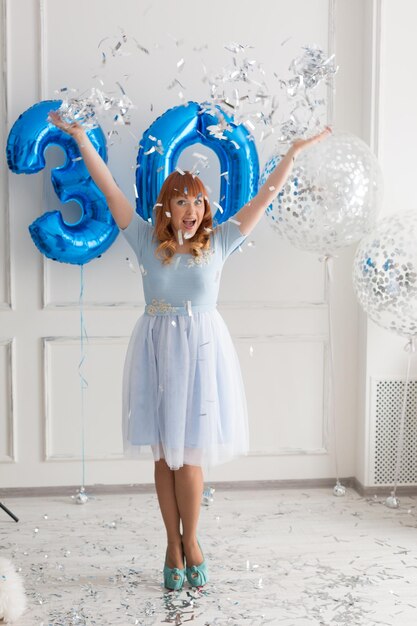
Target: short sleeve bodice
{"type": "Point", "coordinates": [186, 278]}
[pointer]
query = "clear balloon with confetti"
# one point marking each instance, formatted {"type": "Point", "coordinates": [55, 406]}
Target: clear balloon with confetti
{"type": "Point", "coordinates": [332, 196]}
{"type": "Point", "coordinates": [385, 273]}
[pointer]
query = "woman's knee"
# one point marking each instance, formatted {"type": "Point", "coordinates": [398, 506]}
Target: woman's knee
{"type": "Point", "coordinates": [189, 470]}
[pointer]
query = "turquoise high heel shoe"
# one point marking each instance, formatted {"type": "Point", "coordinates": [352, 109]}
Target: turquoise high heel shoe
{"type": "Point", "coordinates": [173, 577]}
{"type": "Point", "coordinates": [197, 575]}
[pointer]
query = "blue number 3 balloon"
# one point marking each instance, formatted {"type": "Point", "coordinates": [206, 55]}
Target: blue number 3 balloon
{"type": "Point", "coordinates": [96, 230]}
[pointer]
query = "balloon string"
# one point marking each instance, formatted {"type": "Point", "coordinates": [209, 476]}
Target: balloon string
{"type": "Point", "coordinates": [410, 348]}
{"type": "Point", "coordinates": [83, 381]}
{"type": "Point", "coordinates": [328, 260]}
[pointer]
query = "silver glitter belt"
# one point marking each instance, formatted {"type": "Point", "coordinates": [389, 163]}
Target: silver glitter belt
{"type": "Point", "coordinates": [160, 307]}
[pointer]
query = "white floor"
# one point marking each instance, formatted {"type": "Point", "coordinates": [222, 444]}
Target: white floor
{"type": "Point", "coordinates": [286, 557]}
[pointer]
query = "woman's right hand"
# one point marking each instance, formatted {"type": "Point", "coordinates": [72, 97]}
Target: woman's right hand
{"type": "Point", "coordinates": [117, 202]}
{"type": "Point", "coordinates": [74, 129]}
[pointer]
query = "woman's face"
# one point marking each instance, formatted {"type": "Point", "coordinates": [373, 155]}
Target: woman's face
{"type": "Point", "coordinates": [187, 213]}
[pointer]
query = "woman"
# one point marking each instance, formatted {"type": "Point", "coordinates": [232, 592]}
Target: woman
{"type": "Point", "coordinates": [182, 393]}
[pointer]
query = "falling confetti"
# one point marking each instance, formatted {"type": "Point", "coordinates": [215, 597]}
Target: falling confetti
{"type": "Point", "coordinates": [130, 265]}
{"type": "Point", "coordinates": [309, 70]}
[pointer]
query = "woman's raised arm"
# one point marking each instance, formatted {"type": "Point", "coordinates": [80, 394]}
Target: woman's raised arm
{"type": "Point", "coordinates": [119, 205]}
{"type": "Point", "coordinates": [250, 214]}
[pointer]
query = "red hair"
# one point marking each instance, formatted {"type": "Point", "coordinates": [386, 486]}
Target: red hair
{"type": "Point", "coordinates": [175, 185]}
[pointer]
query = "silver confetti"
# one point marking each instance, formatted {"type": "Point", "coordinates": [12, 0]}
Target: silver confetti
{"type": "Point", "coordinates": [81, 497]}
{"type": "Point", "coordinates": [130, 265]}
{"type": "Point", "coordinates": [208, 496]}
{"type": "Point", "coordinates": [339, 490]}
{"type": "Point", "coordinates": [392, 502]}
{"type": "Point", "coordinates": [309, 70]}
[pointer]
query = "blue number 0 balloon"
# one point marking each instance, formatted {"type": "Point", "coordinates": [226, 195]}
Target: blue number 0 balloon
{"type": "Point", "coordinates": [183, 126]}
{"type": "Point", "coordinates": [95, 231]}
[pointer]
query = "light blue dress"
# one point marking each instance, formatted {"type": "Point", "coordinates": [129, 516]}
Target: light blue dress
{"type": "Point", "coordinates": [183, 392]}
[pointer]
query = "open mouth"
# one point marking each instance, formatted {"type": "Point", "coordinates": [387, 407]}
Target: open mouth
{"type": "Point", "coordinates": [189, 224]}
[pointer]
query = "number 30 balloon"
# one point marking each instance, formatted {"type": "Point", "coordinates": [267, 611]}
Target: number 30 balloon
{"type": "Point", "coordinates": [95, 231]}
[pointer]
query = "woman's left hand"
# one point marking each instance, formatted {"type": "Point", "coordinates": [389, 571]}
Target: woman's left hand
{"type": "Point", "coordinates": [301, 144]}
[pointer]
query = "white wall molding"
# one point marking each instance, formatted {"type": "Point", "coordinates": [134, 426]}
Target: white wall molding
{"type": "Point", "coordinates": [48, 418]}
{"type": "Point", "coordinates": [42, 37]}
{"type": "Point", "coordinates": [7, 302]}
{"type": "Point", "coordinates": [331, 49]}
{"type": "Point", "coordinates": [244, 305]}
{"type": "Point", "coordinates": [9, 394]}
{"type": "Point", "coordinates": [246, 339]}
{"type": "Point", "coordinates": [376, 102]}
{"type": "Point", "coordinates": [256, 339]}
{"type": "Point", "coordinates": [372, 115]}
{"type": "Point", "coordinates": [90, 305]}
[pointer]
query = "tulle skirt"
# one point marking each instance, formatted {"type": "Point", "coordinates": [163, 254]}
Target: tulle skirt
{"type": "Point", "coordinates": [183, 392]}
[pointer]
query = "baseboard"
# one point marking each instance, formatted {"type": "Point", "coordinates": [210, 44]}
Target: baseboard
{"type": "Point", "coordinates": [366, 492]}
{"type": "Point", "coordinates": [246, 485]}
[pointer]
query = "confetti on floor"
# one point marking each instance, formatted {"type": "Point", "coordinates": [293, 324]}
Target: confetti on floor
{"type": "Point", "coordinates": [287, 557]}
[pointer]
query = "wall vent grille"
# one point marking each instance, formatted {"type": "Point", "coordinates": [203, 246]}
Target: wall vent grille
{"type": "Point", "coordinates": [389, 399]}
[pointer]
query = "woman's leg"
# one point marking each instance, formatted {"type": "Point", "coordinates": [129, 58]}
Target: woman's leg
{"type": "Point", "coordinates": [165, 489]}
{"type": "Point", "coordinates": [189, 490]}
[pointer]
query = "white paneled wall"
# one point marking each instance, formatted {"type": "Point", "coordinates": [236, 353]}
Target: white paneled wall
{"type": "Point", "coordinates": [391, 128]}
{"type": "Point", "coordinates": [272, 297]}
